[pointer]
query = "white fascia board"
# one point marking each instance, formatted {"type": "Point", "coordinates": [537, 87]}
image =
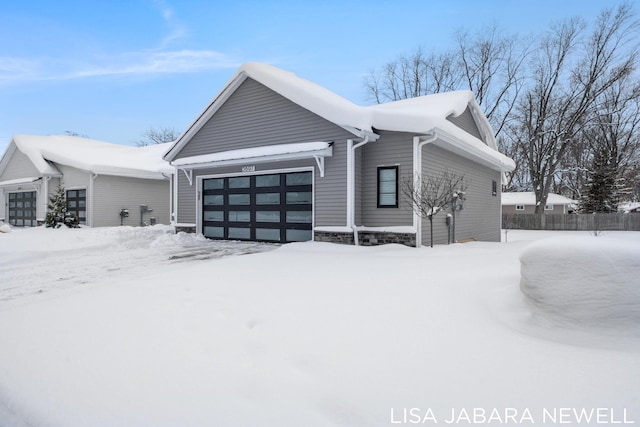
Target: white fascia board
{"type": "Point", "coordinates": [122, 173]}
{"type": "Point", "coordinates": [479, 152]}
{"type": "Point", "coordinates": [19, 181]}
{"type": "Point", "coordinates": [137, 175]}
{"type": "Point", "coordinates": [185, 163]}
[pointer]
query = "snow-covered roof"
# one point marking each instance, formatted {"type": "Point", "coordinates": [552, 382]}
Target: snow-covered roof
{"type": "Point", "coordinates": [422, 115]}
{"type": "Point", "coordinates": [93, 156]}
{"type": "Point", "coordinates": [529, 198]}
{"type": "Point", "coordinates": [629, 206]}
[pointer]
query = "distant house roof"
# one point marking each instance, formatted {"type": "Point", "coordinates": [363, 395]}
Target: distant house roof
{"type": "Point", "coordinates": [422, 115]}
{"type": "Point", "coordinates": [529, 198]}
{"type": "Point", "coordinates": [93, 156]}
{"type": "Point", "coordinates": [629, 207]}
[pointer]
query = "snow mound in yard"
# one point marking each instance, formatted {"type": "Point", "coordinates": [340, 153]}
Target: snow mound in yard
{"type": "Point", "coordinates": [181, 239]}
{"type": "Point", "coordinates": [586, 280]}
{"type": "Point", "coordinates": [5, 228]}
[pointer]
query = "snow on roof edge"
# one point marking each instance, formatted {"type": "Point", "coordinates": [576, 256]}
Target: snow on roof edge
{"type": "Point", "coordinates": [417, 115]}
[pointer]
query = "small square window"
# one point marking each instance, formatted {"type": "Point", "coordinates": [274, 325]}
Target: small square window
{"type": "Point", "coordinates": [388, 186]}
{"type": "Point", "coordinates": [548, 207]}
{"type": "Point", "coordinates": [519, 207]}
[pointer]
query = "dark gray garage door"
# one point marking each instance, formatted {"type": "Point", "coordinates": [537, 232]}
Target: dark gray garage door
{"type": "Point", "coordinates": [22, 209]}
{"type": "Point", "coordinates": [274, 207]}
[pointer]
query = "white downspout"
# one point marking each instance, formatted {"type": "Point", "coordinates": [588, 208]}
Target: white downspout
{"type": "Point", "coordinates": [351, 185]}
{"type": "Point", "coordinates": [417, 171]}
{"type": "Point", "coordinates": [45, 190]}
{"type": "Point", "coordinates": [170, 177]}
{"type": "Point", "coordinates": [92, 177]}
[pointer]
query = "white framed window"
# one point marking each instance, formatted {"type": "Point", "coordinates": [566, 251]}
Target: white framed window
{"type": "Point", "coordinates": [548, 207]}
{"type": "Point", "coordinates": [519, 207]}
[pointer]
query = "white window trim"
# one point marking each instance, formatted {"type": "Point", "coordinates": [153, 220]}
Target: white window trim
{"type": "Point", "coordinates": [548, 207]}
{"type": "Point", "coordinates": [519, 207]}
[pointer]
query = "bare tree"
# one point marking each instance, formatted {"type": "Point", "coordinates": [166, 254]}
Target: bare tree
{"type": "Point", "coordinates": [487, 63]}
{"type": "Point", "coordinates": [492, 66]}
{"type": "Point", "coordinates": [571, 71]}
{"type": "Point", "coordinates": [158, 136]}
{"type": "Point", "coordinates": [431, 194]}
{"type": "Point", "coordinates": [73, 133]}
{"type": "Point", "coordinates": [413, 75]}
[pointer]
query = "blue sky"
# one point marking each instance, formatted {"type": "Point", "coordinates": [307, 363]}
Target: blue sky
{"type": "Point", "coordinates": [110, 69]}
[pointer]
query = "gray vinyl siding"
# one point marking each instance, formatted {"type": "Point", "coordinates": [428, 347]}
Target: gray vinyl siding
{"type": "Point", "coordinates": [186, 198]}
{"type": "Point", "coordinates": [480, 218]}
{"type": "Point", "coordinates": [113, 193]}
{"type": "Point", "coordinates": [73, 177]}
{"type": "Point", "coordinates": [43, 204]}
{"type": "Point", "coordinates": [19, 166]}
{"type": "Point", "coordinates": [255, 116]}
{"type": "Point", "coordinates": [466, 122]}
{"type": "Point", "coordinates": [358, 188]}
{"type": "Point", "coordinates": [391, 149]}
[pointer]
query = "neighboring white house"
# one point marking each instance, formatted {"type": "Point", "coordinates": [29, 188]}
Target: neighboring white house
{"type": "Point", "coordinates": [100, 181]}
{"type": "Point", "coordinates": [525, 203]}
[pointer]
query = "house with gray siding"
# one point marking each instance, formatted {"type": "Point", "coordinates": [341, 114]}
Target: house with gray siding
{"type": "Point", "coordinates": [100, 181]}
{"type": "Point", "coordinates": [274, 157]}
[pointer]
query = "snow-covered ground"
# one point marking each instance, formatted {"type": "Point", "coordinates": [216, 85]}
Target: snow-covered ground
{"type": "Point", "coordinates": [141, 327]}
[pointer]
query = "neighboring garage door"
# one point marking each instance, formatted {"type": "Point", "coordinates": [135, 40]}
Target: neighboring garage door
{"type": "Point", "coordinates": [22, 209]}
{"type": "Point", "coordinates": [274, 207]}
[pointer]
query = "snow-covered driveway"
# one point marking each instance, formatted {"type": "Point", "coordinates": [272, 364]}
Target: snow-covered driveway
{"type": "Point", "coordinates": [39, 260]}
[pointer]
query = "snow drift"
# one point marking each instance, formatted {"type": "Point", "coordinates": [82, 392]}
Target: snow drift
{"type": "Point", "coordinates": [583, 280]}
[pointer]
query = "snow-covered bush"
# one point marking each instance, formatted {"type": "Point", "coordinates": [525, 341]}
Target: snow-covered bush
{"type": "Point", "coordinates": [5, 228]}
{"type": "Point", "coordinates": [583, 280]}
{"type": "Point", "coordinates": [57, 213]}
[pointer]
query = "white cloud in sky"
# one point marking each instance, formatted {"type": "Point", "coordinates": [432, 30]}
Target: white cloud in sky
{"type": "Point", "coordinates": [177, 29]}
{"type": "Point", "coordinates": [153, 61]}
{"type": "Point", "coordinates": [156, 62]}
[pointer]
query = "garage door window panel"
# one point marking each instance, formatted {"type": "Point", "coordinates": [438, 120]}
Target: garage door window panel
{"type": "Point", "coordinates": [240, 199]}
{"type": "Point", "coordinates": [267, 216]}
{"type": "Point", "coordinates": [268, 199]}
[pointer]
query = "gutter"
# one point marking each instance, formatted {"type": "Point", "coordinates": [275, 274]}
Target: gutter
{"type": "Point", "coordinates": [45, 190]}
{"type": "Point", "coordinates": [418, 143]}
{"type": "Point", "coordinates": [92, 177]}
{"type": "Point", "coordinates": [351, 184]}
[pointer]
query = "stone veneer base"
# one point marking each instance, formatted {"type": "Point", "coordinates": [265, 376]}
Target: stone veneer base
{"type": "Point", "coordinates": [367, 238]}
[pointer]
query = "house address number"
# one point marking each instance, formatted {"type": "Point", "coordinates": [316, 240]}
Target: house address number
{"type": "Point", "coordinates": [248, 169]}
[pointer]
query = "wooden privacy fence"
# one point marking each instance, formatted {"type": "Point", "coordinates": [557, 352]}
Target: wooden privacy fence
{"type": "Point", "coordinates": [577, 222]}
